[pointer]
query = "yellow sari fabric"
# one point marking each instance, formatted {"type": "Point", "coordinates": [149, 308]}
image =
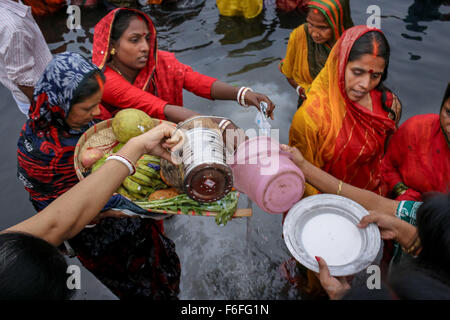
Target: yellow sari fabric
{"type": "Point", "coordinates": [295, 64]}
{"type": "Point", "coordinates": [248, 8]}
{"type": "Point", "coordinates": [317, 123]}
{"type": "Point", "coordinates": [304, 58]}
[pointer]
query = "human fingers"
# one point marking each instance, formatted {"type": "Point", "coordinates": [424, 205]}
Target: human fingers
{"type": "Point", "coordinates": [366, 220]}
{"type": "Point", "coordinates": [176, 141]}
{"type": "Point", "coordinates": [155, 137]}
{"type": "Point", "coordinates": [163, 153]}
{"type": "Point", "coordinates": [324, 272]}
{"type": "Point", "coordinates": [297, 156]}
{"type": "Point", "coordinates": [255, 99]}
{"type": "Point", "coordinates": [385, 223]}
{"type": "Point", "coordinates": [270, 105]}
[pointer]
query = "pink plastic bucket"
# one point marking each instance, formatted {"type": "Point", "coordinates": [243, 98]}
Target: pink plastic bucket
{"type": "Point", "coordinates": [267, 175]}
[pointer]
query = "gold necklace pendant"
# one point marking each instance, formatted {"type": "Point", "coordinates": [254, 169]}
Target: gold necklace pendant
{"type": "Point", "coordinates": [116, 70]}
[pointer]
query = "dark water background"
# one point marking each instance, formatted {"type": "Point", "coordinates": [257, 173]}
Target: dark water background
{"type": "Point", "coordinates": [242, 259]}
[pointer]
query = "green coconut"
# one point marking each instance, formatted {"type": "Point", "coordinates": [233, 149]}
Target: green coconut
{"type": "Point", "coordinates": [129, 123]}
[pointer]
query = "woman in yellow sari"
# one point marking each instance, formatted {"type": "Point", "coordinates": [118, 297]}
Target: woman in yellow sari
{"type": "Point", "coordinates": [344, 125]}
{"type": "Point", "coordinates": [310, 44]}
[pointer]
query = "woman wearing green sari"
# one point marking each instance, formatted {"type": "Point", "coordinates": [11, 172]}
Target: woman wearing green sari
{"type": "Point", "coordinates": [310, 44]}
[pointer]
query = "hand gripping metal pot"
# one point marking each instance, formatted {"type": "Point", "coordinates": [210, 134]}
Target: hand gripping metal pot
{"type": "Point", "coordinates": [203, 173]}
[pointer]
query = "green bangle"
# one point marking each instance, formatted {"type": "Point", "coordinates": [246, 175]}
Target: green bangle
{"type": "Point", "coordinates": [399, 189]}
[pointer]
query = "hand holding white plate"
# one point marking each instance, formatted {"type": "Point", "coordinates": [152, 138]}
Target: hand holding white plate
{"type": "Point", "coordinates": [325, 225]}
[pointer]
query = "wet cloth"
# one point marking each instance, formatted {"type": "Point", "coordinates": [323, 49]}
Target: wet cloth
{"type": "Point", "coordinates": [45, 166]}
{"type": "Point", "coordinates": [418, 157]}
{"type": "Point", "coordinates": [248, 9]}
{"type": "Point", "coordinates": [338, 135]}
{"type": "Point", "coordinates": [160, 82]}
{"type": "Point", "coordinates": [24, 54]}
{"type": "Point", "coordinates": [304, 58]}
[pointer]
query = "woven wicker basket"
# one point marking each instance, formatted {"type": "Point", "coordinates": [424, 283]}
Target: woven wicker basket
{"type": "Point", "coordinates": [101, 136]}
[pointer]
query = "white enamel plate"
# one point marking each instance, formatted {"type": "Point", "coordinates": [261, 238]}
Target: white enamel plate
{"type": "Point", "coordinates": [325, 225]}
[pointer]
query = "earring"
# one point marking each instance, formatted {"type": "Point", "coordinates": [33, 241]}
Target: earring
{"type": "Point", "coordinates": [113, 51]}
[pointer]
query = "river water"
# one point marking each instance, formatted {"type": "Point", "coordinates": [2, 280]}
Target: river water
{"type": "Point", "coordinates": [242, 259]}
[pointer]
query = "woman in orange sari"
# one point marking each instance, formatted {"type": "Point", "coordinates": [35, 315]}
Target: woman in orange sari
{"type": "Point", "coordinates": [418, 158]}
{"type": "Point", "coordinates": [344, 125]}
{"type": "Point", "coordinates": [349, 115]}
{"type": "Point", "coordinates": [310, 44]}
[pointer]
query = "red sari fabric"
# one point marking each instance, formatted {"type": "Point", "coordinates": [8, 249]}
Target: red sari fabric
{"type": "Point", "coordinates": [419, 156]}
{"type": "Point", "coordinates": [160, 82]}
{"type": "Point", "coordinates": [360, 146]}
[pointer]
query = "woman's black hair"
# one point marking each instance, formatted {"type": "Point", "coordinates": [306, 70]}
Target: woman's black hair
{"type": "Point", "coordinates": [121, 22]}
{"type": "Point", "coordinates": [410, 281]}
{"type": "Point", "coordinates": [433, 225]}
{"type": "Point", "coordinates": [88, 87]}
{"type": "Point", "coordinates": [31, 268]}
{"type": "Point", "coordinates": [365, 45]}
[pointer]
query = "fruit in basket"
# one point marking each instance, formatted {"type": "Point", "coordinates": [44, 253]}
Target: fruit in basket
{"type": "Point", "coordinates": [129, 123]}
{"type": "Point", "coordinates": [90, 156]}
{"type": "Point", "coordinates": [147, 170]}
{"type": "Point", "coordinates": [99, 163]}
{"type": "Point", "coordinates": [142, 179]}
{"type": "Point", "coordinates": [163, 194]}
{"type": "Point", "coordinates": [132, 186]}
{"type": "Point", "coordinates": [125, 193]}
{"type": "Point", "coordinates": [117, 147]}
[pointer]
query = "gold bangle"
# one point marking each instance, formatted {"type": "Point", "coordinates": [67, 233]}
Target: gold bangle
{"type": "Point", "coordinates": [414, 248]}
{"type": "Point", "coordinates": [339, 188]}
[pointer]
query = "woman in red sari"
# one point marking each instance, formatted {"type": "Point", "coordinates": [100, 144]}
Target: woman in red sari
{"type": "Point", "coordinates": [418, 158]}
{"type": "Point", "coordinates": [140, 76]}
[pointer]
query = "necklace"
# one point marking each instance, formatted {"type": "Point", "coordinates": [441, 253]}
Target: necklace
{"type": "Point", "coordinates": [116, 70]}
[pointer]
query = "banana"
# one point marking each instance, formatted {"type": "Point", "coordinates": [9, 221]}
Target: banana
{"type": "Point", "coordinates": [125, 193]}
{"type": "Point", "coordinates": [158, 184]}
{"type": "Point", "coordinates": [133, 187]}
{"type": "Point", "coordinates": [153, 159]}
{"type": "Point", "coordinates": [138, 196]}
{"type": "Point", "coordinates": [141, 179]}
{"type": "Point", "coordinates": [148, 191]}
{"type": "Point", "coordinates": [146, 170]}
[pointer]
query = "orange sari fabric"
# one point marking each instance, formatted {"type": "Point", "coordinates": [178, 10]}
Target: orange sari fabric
{"type": "Point", "coordinates": [339, 135]}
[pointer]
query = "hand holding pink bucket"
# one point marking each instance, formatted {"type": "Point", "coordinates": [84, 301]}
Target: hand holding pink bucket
{"type": "Point", "coordinates": [267, 175]}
